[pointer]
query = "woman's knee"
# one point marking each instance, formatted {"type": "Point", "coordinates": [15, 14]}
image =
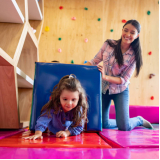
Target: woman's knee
{"type": "Point", "coordinates": [124, 127]}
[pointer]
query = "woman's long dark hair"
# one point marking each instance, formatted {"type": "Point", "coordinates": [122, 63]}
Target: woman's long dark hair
{"type": "Point", "coordinates": [135, 46]}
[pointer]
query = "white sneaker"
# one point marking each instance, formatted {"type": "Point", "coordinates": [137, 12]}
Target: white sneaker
{"type": "Point", "coordinates": [146, 123]}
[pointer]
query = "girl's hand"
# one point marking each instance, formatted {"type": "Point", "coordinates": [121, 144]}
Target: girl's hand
{"type": "Point", "coordinates": [63, 134]}
{"type": "Point", "coordinates": [37, 135]}
{"type": "Point", "coordinates": [101, 69]}
{"type": "Point", "coordinates": [34, 137]}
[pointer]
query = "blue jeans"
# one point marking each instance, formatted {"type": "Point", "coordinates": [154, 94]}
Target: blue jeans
{"type": "Point", "coordinates": [121, 102]}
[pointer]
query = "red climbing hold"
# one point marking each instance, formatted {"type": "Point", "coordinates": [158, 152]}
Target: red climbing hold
{"type": "Point", "coordinates": [61, 7]}
{"type": "Point", "coordinates": [150, 53]}
{"type": "Point", "coordinates": [124, 21]}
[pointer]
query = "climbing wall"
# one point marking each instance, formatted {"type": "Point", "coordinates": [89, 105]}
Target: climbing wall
{"type": "Point", "coordinates": [74, 31]}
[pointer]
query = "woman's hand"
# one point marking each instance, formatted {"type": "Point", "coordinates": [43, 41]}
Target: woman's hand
{"type": "Point", "coordinates": [111, 79]}
{"type": "Point", "coordinates": [37, 135]}
{"type": "Point", "coordinates": [63, 134]}
{"type": "Point", "coordinates": [101, 69]}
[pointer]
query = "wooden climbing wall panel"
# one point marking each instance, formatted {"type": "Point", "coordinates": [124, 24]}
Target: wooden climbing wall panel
{"type": "Point", "coordinates": [86, 25]}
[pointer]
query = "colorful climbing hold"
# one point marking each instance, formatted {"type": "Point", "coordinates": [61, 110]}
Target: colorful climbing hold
{"type": "Point", "coordinates": [86, 40]}
{"type": "Point", "coordinates": [85, 62]}
{"type": "Point", "coordinates": [86, 8]}
{"type": "Point", "coordinates": [55, 61]}
{"type": "Point", "coordinates": [59, 50]}
{"type": "Point", "coordinates": [111, 30]}
{"type": "Point", "coordinates": [99, 19]}
{"type": "Point", "coordinates": [148, 12]}
{"type": "Point", "coordinates": [59, 38]}
{"type": "Point", "coordinates": [72, 61]}
{"type": "Point", "coordinates": [46, 28]}
{"type": "Point", "coordinates": [61, 7]}
{"type": "Point", "coordinates": [73, 18]}
{"type": "Point", "coordinates": [151, 75]}
{"type": "Point", "coordinates": [124, 21]}
{"type": "Point", "coordinates": [150, 53]}
{"type": "Point", "coordinates": [152, 98]}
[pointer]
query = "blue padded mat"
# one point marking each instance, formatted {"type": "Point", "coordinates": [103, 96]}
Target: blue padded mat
{"type": "Point", "coordinates": [47, 75]}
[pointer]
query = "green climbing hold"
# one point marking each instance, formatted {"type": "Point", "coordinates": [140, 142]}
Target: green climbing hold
{"type": "Point", "coordinates": [86, 8]}
{"type": "Point", "coordinates": [99, 19]}
{"type": "Point", "coordinates": [72, 61]}
{"type": "Point", "coordinates": [148, 12]}
{"type": "Point", "coordinates": [59, 39]}
{"type": "Point", "coordinates": [111, 30]}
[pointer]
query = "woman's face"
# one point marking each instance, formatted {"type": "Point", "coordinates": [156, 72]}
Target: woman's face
{"type": "Point", "coordinates": [69, 99]}
{"type": "Point", "coordinates": [129, 34]}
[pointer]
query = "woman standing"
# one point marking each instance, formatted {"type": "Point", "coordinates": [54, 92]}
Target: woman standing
{"type": "Point", "coordinates": [120, 58]}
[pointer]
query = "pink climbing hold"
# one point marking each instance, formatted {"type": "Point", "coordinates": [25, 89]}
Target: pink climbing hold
{"type": "Point", "coordinates": [59, 50]}
{"type": "Point", "coordinates": [73, 18]}
{"type": "Point", "coordinates": [86, 40]}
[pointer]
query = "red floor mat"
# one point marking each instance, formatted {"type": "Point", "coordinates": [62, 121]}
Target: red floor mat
{"type": "Point", "coordinates": [84, 140]}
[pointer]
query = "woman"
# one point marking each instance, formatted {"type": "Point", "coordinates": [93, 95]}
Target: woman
{"type": "Point", "coordinates": [120, 58]}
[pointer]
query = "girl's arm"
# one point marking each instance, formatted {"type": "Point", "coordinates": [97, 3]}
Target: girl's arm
{"type": "Point", "coordinates": [41, 126]}
{"type": "Point", "coordinates": [72, 131]}
{"type": "Point", "coordinates": [76, 130]}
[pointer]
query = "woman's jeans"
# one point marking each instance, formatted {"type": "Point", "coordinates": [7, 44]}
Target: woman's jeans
{"type": "Point", "coordinates": [121, 102]}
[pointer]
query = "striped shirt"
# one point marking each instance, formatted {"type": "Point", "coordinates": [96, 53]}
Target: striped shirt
{"type": "Point", "coordinates": [111, 67]}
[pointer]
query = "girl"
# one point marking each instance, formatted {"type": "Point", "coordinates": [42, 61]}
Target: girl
{"type": "Point", "coordinates": [65, 113]}
{"type": "Point", "coordinates": [120, 58]}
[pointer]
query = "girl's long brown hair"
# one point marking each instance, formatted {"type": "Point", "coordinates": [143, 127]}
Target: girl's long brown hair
{"type": "Point", "coordinates": [72, 84]}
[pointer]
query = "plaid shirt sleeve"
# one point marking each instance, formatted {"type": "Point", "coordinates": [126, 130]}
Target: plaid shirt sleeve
{"type": "Point", "coordinates": [99, 56]}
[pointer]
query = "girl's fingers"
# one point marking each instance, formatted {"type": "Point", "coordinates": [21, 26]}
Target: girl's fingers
{"type": "Point", "coordinates": [33, 137]}
{"type": "Point", "coordinates": [26, 137]}
{"type": "Point", "coordinates": [37, 137]}
{"type": "Point", "coordinates": [58, 134]}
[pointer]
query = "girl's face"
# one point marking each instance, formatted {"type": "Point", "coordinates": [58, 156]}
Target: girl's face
{"type": "Point", "coordinates": [69, 100]}
{"type": "Point", "coordinates": [129, 34]}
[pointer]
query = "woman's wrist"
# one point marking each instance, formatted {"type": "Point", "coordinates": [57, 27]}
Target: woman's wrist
{"type": "Point", "coordinates": [115, 80]}
{"type": "Point", "coordinates": [105, 78]}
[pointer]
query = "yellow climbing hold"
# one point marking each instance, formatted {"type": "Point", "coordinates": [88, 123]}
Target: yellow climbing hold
{"type": "Point", "coordinates": [46, 28]}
